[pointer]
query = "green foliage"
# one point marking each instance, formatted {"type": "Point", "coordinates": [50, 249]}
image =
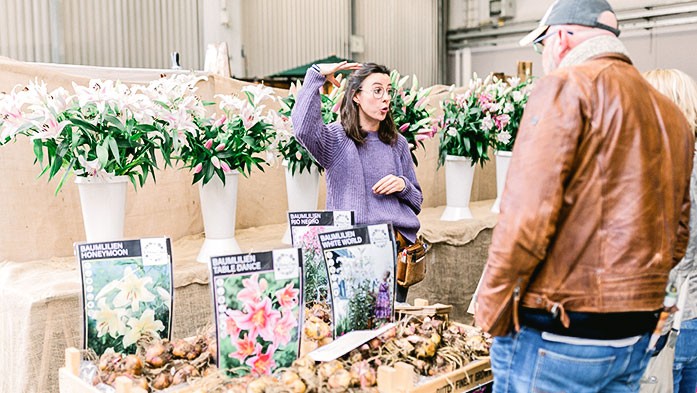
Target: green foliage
{"type": "Point", "coordinates": [512, 103]}
{"type": "Point", "coordinates": [316, 280]}
{"type": "Point", "coordinates": [487, 114]}
{"type": "Point", "coordinates": [462, 133]}
{"type": "Point", "coordinates": [409, 113]}
{"type": "Point", "coordinates": [361, 307]}
{"type": "Point", "coordinates": [235, 141]}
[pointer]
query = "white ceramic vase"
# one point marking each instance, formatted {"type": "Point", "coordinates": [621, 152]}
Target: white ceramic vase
{"type": "Point", "coordinates": [103, 203]}
{"type": "Point", "coordinates": [219, 208]}
{"type": "Point", "coordinates": [459, 175]}
{"type": "Point", "coordinates": [503, 160]}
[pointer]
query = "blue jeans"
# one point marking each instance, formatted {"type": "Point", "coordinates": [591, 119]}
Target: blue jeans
{"type": "Point", "coordinates": [685, 365]}
{"type": "Point", "coordinates": [525, 363]}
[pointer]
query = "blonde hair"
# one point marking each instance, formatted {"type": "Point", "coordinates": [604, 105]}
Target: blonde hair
{"type": "Point", "coordinates": [680, 88]}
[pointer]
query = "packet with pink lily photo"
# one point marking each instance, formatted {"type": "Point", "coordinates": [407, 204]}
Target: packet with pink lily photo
{"type": "Point", "coordinates": [304, 228]}
{"type": "Point", "coordinates": [257, 303]}
{"type": "Point", "coordinates": [126, 292]}
{"type": "Point", "coordinates": [361, 266]}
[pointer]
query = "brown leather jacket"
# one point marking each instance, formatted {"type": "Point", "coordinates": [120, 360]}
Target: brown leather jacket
{"type": "Point", "coordinates": [596, 207]}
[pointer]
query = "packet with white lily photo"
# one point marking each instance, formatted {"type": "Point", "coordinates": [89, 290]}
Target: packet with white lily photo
{"type": "Point", "coordinates": [127, 289]}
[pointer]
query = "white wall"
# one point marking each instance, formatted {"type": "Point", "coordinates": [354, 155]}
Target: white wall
{"type": "Point", "coordinates": [533, 10]}
{"type": "Point", "coordinates": [401, 34]}
{"type": "Point", "coordinates": [660, 47]}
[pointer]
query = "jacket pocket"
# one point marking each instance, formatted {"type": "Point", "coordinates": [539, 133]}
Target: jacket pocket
{"type": "Point", "coordinates": [507, 318]}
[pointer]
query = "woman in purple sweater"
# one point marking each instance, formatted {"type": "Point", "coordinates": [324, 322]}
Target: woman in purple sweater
{"type": "Point", "coordinates": [368, 164]}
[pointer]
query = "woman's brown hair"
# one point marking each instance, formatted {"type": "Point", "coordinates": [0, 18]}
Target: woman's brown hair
{"type": "Point", "coordinates": [349, 108]}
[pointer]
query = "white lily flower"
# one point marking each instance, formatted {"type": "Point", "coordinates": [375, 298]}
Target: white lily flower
{"type": "Point", "coordinates": [282, 125]}
{"type": "Point", "coordinates": [250, 116]}
{"type": "Point", "coordinates": [50, 128]}
{"type": "Point", "coordinates": [92, 168]}
{"type": "Point", "coordinates": [259, 92]}
{"type": "Point", "coordinates": [109, 321]}
{"type": "Point", "coordinates": [145, 324]}
{"type": "Point", "coordinates": [133, 290]}
{"type": "Point", "coordinates": [503, 137]}
{"type": "Point", "coordinates": [414, 83]}
{"type": "Point", "coordinates": [231, 103]}
{"type": "Point", "coordinates": [487, 123]}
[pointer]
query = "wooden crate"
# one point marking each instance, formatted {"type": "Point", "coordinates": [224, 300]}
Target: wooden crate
{"type": "Point", "coordinates": [70, 382]}
{"type": "Point", "coordinates": [402, 379]}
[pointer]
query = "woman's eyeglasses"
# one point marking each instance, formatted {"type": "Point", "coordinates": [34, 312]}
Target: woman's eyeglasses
{"type": "Point", "coordinates": [379, 92]}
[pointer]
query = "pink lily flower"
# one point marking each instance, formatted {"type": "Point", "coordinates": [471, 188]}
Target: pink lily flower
{"type": "Point", "coordinates": [259, 319]}
{"type": "Point", "coordinates": [288, 296]}
{"type": "Point", "coordinates": [245, 348]}
{"type": "Point", "coordinates": [220, 121]}
{"type": "Point", "coordinates": [262, 364]}
{"type": "Point", "coordinates": [283, 329]}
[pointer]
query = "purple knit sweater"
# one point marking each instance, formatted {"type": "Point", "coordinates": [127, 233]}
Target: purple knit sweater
{"type": "Point", "coordinates": [353, 169]}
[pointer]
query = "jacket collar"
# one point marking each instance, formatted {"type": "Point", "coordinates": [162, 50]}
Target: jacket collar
{"type": "Point", "coordinates": [594, 47]}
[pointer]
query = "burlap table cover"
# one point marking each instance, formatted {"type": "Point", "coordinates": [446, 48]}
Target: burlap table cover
{"type": "Point", "coordinates": [457, 258]}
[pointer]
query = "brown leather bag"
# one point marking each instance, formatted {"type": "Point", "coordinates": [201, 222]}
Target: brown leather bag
{"type": "Point", "coordinates": [411, 261]}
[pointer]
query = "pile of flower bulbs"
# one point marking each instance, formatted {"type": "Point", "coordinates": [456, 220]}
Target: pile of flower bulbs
{"type": "Point", "coordinates": [159, 363]}
{"type": "Point", "coordinates": [317, 330]}
{"type": "Point", "coordinates": [432, 345]}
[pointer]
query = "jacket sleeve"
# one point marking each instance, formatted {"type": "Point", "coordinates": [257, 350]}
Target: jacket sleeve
{"type": "Point", "coordinates": [308, 126]}
{"type": "Point", "coordinates": [686, 236]}
{"type": "Point", "coordinates": [544, 150]}
{"type": "Point", "coordinates": [411, 194]}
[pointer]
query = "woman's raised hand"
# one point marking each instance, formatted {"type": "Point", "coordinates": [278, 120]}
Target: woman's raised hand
{"type": "Point", "coordinates": [328, 70]}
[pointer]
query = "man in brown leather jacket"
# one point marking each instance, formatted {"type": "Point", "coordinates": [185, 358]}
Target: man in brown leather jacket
{"type": "Point", "coordinates": [594, 215]}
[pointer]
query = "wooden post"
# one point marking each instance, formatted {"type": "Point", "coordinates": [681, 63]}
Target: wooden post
{"type": "Point", "coordinates": [387, 380]}
{"type": "Point", "coordinates": [124, 385]}
{"type": "Point", "coordinates": [418, 302]}
{"type": "Point", "coordinates": [72, 360]}
{"type": "Point", "coordinates": [405, 375]}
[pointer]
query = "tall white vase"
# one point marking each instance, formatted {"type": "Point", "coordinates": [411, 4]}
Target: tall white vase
{"type": "Point", "coordinates": [503, 160]}
{"type": "Point", "coordinates": [219, 208]}
{"type": "Point", "coordinates": [303, 193]}
{"type": "Point", "coordinates": [459, 175]}
{"type": "Point", "coordinates": [103, 203]}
